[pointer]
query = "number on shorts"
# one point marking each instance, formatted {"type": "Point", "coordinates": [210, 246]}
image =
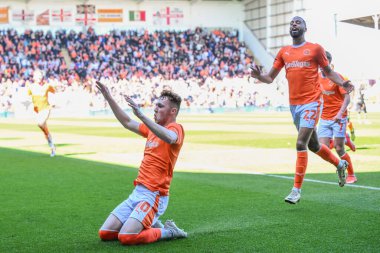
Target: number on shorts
{"type": "Point", "coordinates": [341, 126]}
{"type": "Point", "coordinates": [313, 115]}
{"type": "Point", "coordinates": [144, 206]}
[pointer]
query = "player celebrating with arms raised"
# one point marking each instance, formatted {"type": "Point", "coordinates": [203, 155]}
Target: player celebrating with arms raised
{"type": "Point", "coordinates": [302, 61]}
{"type": "Point", "coordinates": [131, 222]}
{"type": "Point", "coordinates": [334, 121]}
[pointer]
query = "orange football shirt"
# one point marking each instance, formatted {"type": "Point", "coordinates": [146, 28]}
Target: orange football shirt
{"type": "Point", "coordinates": [156, 169]}
{"type": "Point", "coordinates": [333, 97]}
{"type": "Point", "coordinates": [40, 95]}
{"type": "Point", "coordinates": [302, 64]}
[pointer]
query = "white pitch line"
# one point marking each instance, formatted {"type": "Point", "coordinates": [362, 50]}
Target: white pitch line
{"type": "Point", "coordinates": [322, 182]}
{"type": "Point", "coordinates": [214, 169]}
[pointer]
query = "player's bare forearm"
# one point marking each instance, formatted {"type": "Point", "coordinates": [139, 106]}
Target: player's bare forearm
{"type": "Point", "coordinates": [334, 77]}
{"type": "Point", "coordinates": [337, 79]}
{"type": "Point", "coordinates": [161, 132]}
{"type": "Point", "coordinates": [345, 104]}
{"type": "Point", "coordinates": [265, 78]}
{"type": "Point", "coordinates": [121, 116]}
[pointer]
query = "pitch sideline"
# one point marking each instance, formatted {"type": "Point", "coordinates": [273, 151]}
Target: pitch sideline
{"type": "Point", "coordinates": [317, 181]}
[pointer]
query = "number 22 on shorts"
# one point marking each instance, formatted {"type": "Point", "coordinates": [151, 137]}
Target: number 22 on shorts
{"type": "Point", "coordinates": [310, 115]}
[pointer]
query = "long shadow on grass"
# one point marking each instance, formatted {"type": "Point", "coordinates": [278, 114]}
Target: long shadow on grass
{"type": "Point", "coordinates": [58, 204]}
{"type": "Point", "coordinates": [80, 153]}
{"type": "Point", "coordinates": [66, 144]}
{"type": "Point", "coordinates": [10, 138]}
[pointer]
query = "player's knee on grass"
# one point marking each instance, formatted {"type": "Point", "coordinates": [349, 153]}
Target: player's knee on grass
{"type": "Point", "coordinates": [129, 239]}
{"type": "Point", "coordinates": [106, 235]}
{"type": "Point", "coordinates": [145, 236]}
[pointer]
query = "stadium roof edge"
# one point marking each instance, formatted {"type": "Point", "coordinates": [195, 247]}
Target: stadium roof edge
{"type": "Point", "coordinates": [365, 21]}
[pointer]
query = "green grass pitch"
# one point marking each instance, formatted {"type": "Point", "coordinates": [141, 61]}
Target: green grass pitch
{"type": "Point", "coordinates": [58, 205]}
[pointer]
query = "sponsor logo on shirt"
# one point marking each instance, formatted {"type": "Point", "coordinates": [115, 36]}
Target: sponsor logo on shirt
{"type": "Point", "coordinates": [151, 144]}
{"type": "Point", "coordinates": [328, 93]}
{"type": "Point", "coordinates": [297, 64]}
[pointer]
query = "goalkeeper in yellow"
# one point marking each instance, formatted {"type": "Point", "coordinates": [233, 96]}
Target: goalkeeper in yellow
{"type": "Point", "coordinates": [39, 90]}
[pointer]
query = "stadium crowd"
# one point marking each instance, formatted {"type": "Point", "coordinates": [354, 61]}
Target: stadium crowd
{"type": "Point", "coordinates": [170, 54]}
{"type": "Point", "coordinates": [206, 68]}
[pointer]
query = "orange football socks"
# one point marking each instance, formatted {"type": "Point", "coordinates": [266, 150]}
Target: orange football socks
{"type": "Point", "coordinates": [350, 168]}
{"type": "Point", "coordinates": [301, 165]}
{"type": "Point", "coordinates": [327, 155]}
{"type": "Point", "coordinates": [146, 236]}
{"type": "Point", "coordinates": [108, 235]}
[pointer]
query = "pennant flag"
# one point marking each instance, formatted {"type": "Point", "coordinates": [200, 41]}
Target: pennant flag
{"type": "Point", "coordinates": [61, 15]}
{"type": "Point", "coordinates": [137, 16]}
{"type": "Point", "coordinates": [4, 16]}
{"type": "Point", "coordinates": [23, 15]}
{"type": "Point", "coordinates": [110, 15]}
{"type": "Point", "coordinates": [43, 18]}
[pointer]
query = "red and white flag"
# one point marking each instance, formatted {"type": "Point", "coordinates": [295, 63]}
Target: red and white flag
{"type": "Point", "coordinates": [61, 15]}
{"type": "Point", "coordinates": [168, 16]}
{"type": "Point", "coordinates": [85, 14]}
{"type": "Point", "coordinates": [23, 15]}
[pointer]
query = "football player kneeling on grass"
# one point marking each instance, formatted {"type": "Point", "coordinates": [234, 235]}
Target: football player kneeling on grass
{"type": "Point", "coordinates": [136, 220]}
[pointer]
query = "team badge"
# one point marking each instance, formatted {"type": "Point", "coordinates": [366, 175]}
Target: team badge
{"type": "Point", "coordinates": [306, 52]}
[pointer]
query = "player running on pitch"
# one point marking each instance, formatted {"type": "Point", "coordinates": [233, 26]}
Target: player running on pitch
{"type": "Point", "coordinates": [333, 121]}
{"type": "Point", "coordinates": [39, 90]}
{"type": "Point", "coordinates": [302, 61]}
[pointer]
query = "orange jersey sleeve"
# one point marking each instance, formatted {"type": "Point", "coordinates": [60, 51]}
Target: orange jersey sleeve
{"type": "Point", "coordinates": [157, 166]}
{"type": "Point", "coordinates": [333, 97]}
{"type": "Point", "coordinates": [301, 65]}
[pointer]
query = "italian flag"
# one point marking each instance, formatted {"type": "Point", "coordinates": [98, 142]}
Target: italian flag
{"type": "Point", "coordinates": [136, 15]}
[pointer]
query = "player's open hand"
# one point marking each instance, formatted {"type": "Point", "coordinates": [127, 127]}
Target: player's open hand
{"type": "Point", "coordinates": [134, 106]}
{"type": "Point", "coordinates": [255, 71]}
{"type": "Point", "coordinates": [103, 89]}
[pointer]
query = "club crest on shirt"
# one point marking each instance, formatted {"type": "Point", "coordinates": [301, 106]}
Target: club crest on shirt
{"type": "Point", "coordinates": [306, 51]}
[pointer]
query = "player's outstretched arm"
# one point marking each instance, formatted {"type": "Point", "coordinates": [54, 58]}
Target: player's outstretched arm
{"type": "Point", "coordinates": [161, 132]}
{"type": "Point", "coordinates": [265, 78]}
{"type": "Point", "coordinates": [333, 76]}
{"type": "Point", "coordinates": [123, 118]}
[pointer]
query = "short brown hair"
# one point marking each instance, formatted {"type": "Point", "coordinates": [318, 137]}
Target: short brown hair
{"type": "Point", "coordinates": [174, 98]}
